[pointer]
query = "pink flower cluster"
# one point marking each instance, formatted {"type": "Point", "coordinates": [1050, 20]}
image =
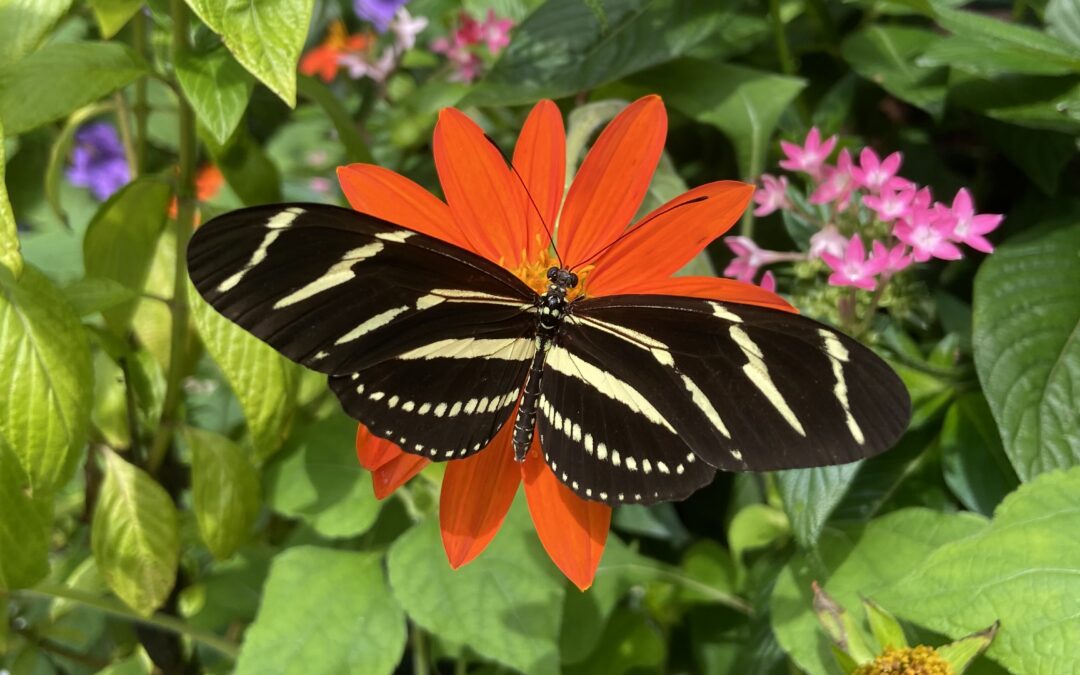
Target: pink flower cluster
{"type": "Point", "coordinates": [918, 227]}
{"type": "Point", "coordinates": [461, 48]}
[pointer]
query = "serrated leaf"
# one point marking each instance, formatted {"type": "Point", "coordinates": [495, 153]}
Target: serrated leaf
{"type": "Point", "coordinates": [886, 55]}
{"type": "Point", "coordinates": [1027, 351]}
{"type": "Point", "coordinates": [972, 458]}
{"type": "Point", "coordinates": [505, 605]}
{"type": "Point", "coordinates": [24, 24]}
{"type": "Point", "coordinates": [343, 621]}
{"type": "Point", "coordinates": [9, 236]}
{"type": "Point", "coordinates": [135, 536]}
{"type": "Point", "coordinates": [218, 89]}
{"type": "Point", "coordinates": [1020, 569]}
{"type": "Point", "coordinates": [120, 241]}
{"type": "Point", "coordinates": [316, 478]}
{"type": "Point", "coordinates": [77, 73]}
{"type": "Point", "coordinates": [45, 363]}
{"type": "Point", "coordinates": [111, 15]}
{"type": "Point", "coordinates": [266, 38]}
{"type": "Point", "coordinates": [25, 528]}
{"type": "Point", "coordinates": [563, 48]}
{"type": "Point", "coordinates": [263, 380]}
{"type": "Point", "coordinates": [224, 489]}
{"type": "Point", "coordinates": [810, 495]}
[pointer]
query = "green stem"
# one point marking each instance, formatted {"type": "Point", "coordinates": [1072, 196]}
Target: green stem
{"type": "Point", "coordinates": [123, 121]}
{"type": "Point", "coordinates": [141, 109]}
{"type": "Point", "coordinates": [185, 220]}
{"type": "Point", "coordinates": [419, 650]}
{"type": "Point", "coordinates": [169, 623]}
{"type": "Point", "coordinates": [783, 49]}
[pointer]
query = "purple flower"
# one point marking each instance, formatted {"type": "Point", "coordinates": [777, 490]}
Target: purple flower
{"type": "Point", "coordinates": [378, 12]}
{"type": "Point", "coordinates": [98, 161]}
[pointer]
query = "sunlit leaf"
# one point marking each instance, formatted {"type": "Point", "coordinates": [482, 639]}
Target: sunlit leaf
{"type": "Point", "coordinates": [24, 528]}
{"type": "Point", "coordinates": [218, 89]}
{"type": "Point", "coordinates": [112, 15]}
{"type": "Point", "coordinates": [24, 24]}
{"type": "Point", "coordinates": [9, 237]}
{"type": "Point", "coordinates": [224, 490]}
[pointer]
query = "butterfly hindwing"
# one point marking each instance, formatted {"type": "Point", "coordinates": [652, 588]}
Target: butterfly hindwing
{"type": "Point", "coordinates": [410, 329]}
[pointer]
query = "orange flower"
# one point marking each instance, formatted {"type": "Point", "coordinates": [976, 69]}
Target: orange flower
{"type": "Point", "coordinates": [324, 60]}
{"type": "Point", "coordinates": [488, 212]}
{"type": "Point", "coordinates": [207, 184]}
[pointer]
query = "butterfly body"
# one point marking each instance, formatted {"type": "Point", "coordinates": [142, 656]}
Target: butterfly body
{"type": "Point", "coordinates": [634, 398]}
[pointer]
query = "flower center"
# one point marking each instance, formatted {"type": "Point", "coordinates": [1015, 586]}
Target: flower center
{"type": "Point", "coordinates": [921, 660]}
{"type": "Point", "coordinates": [534, 274]}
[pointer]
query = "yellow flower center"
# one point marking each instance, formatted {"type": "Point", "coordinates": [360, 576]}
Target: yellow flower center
{"type": "Point", "coordinates": [921, 660]}
{"type": "Point", "coordinates": [337, 37]}
{"type": "Point", "coordinates": [534, 273]}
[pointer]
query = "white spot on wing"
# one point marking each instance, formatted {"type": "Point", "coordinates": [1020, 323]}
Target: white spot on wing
{"type": "Point", "coordinates": [398, 236]}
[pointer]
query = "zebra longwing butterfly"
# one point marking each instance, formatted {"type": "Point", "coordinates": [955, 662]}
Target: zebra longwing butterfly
{"type": "Point", "coordinates": [636, 398]}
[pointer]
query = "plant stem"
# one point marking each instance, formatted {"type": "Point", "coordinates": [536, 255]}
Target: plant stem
{"type": "Point", "coordinates": [419, 650]}
{"type": "Point", "coordinates": [169, 623]}
{"type": "Point", "coordinates": [123, 121]}
{"type": "Point", "coordinates": [141, 109]}
{"type": "Point", "coordinates": [783, 50]}
{"type": "Point", "coordinates": [185, 219]}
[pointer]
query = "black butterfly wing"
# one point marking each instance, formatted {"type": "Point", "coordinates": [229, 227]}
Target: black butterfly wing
{"type": "Point", "coordinates": [690, 384]}
{"type": "Point", "coordinates": [425, 343]}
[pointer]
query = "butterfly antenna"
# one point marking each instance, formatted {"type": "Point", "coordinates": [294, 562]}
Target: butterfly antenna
{"type": "Point", "coordinates": [510, 163]}
{"type": "Point", "coordinates": [640, 226]}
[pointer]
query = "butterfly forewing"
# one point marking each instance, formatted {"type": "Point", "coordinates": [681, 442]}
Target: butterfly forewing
{"type": "Point", "coordinates": [410, 329]}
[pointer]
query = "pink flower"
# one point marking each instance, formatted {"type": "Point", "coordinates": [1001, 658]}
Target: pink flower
{"type": "Point", "coordinates": [772, 195]}
{"type": "Point", "coordinates": [768, 282]}
{"type": "Point", "coordinates": [495, 32]}
{"type": "Point", "coordinates": [405, 28]}
{"type": "Point", "coordinates": [854, 269]}
{"type": "Point", "coordinates": [364, 65]}
{"type": "Point", "coordinates": [968, 227]}
{"type": "Point", "coordinates": [810, 157]}
{"type": "Point", "coordinates": [827, 240]}
{"type": "Point", "coordinates": [838, 183]}
{"type": "Point", "coordinates": [891, 203]}
{"type": "Point", "coordinates": [928, 235]}
{"type": "Point", "coordinates": [873, 173]}
{"type": "Point", "coordinates": [894, 260]}
{"type": "Point", "coordinates": [749, 257]}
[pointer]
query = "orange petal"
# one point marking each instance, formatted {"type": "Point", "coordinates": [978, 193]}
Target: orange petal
{"type": "Point", "coordinates": [673, 235]}
{"type": "Point", "coordinates": [373, 451]}
{"type": "Point", "coordinates": [612, 180]}
{"type": "Point", "coordinates": [384, 194]}
{"type": "Point", "coordinates": [395, 473]}
{"type": "Point", "coordinates": [572, 530]}
{"type": "Point", "coordinates": [476, 494]}
{"type": "Point", "coordinates": [712, 288]}
{"type": "Point", "coordinates": [488, 203]}
{"type": "Point", "coordinates": [540, 158]}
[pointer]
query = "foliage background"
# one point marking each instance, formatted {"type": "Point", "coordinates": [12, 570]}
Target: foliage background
{"type": "Point", "coordinates": [172, 491]}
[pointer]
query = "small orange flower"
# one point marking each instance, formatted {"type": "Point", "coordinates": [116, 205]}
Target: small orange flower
{"type": "Point", "coordinates": [325, 60]}
{"type": "Point", "coordinates": [488, 212]}
{"type": "Point", "coordinates": [207, 184]}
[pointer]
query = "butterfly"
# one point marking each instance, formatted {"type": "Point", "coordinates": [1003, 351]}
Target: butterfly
{"type": "Point", "coordinates": [635, 398]}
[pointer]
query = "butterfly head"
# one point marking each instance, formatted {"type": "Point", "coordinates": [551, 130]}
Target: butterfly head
{"type": "Point", "coordinates": [561, 279]}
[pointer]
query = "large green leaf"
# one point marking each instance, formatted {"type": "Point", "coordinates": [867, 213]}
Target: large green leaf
{"type": "Point", "coordinates": [1020, 570]}
{"type": "Point", "coordinates": [263, 380]}
{"type": "Point", "coordinates": [506, 605]}
{"type": "Point", "coordinates": [265, 37]}
{"type": "Point", "coordinates": [810, 495]}
{"type": "Point", "coordinates": [218, 89]}
{"type": "Point", "coordinates": [975, 57]}
{"type": "Point", "coordinates": [25, 528]}
{"type": "Point", "coordinates": [1027, 348]}
{"type": "Point", "coordinates": [849, 562]}
{"type": "Point", "coordinates": [564, 48]}
{"type": "Point", "coordinates": [972, 458]}
{"type": "Point", "coordinates": [9, 236]}
{"type": "Point", "coordinates": [1051, 103]}
{"type": "Point", "coordinates": [325, 611]}
{"type": "Point", "coordinates": [120, 241]}
{"type": "Point", "coordinates": [316, 478]}
{"type": "Point", "coordinates": [886, 55]}
{"type": "Point", "coordinates": [24, 24]}
{"type": "Point", "coordinates": [224, 490]}
{"type": "Point", "coordinates": [1063, 21]}
{"type": "Point", "coordinates": [61, 78]}
{"type": "Point", "coordinates": [744, 103]}
{"type": "Point", "coordinates": [1003, 35]}
{"type": "Point", "coordinates": [45, 365]}
{"type": "Point", "coordinates": [631, 642]}
{"type": "Point", "coordinates": [135, 536]}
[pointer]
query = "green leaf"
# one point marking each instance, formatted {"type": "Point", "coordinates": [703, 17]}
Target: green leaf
{"type": "Point", "coordinates": [263, 380]}
{"type": "Point", "coordinates": [1063, 21]}
{"type": "Point", "coordinates": [756, 526]}
{"type": "Point", "coordinates": [886, 55]}
{"type": "Point", "coordinates": [505, 605]}
{"type": "Point", "coordinates": [1027, 349]}
{"type": "Point", "coordinates": [974, 57]}
{"type": "Point", "coordinates": [218, 89]}
{"type": "Point", "coordinates": [1002, 35]}
{"type": "Point", "coordinates": [247, 168]}
{"type": "Point", "coordinates": [45, 363]}
{"type": "Point", "coordinates": [120, 241]}
{"type": "Point", "coordinates": [77, 73]}
{"type": "Point", "coordinates": [325, 611]}
{"type": "Point", "coordinates": [356, 149]}
{"type": "Point", "coordinates": [631, 641]}
{"type": "Point", "coordinates": [1023, 573]}
{"type": "Point", "coordinates": [26, 527]}
{"type": "Point", "coordinates": [9, 236]}
{"type": "Point", "coordinates": [25, 23]}
{"type": "Point", "coordinates": [581, 125]}
{"type": "Point", "coordinates": [135, 536]}
{"type": "Point", "coordinates": [863, 559]}
{"type": "Point", "coordinates": [111, 15]}
{"type": "Point", "coordinates": [225, 491]}
{"type": "Point", "coordinates": [961, 653]}
{"type": "Point", "coordinates": [745, 104]}
{"type": "Point", "coordinates": [266, 38]}
{"type": "Point", "coordinates": [886, 629]}
{"type": "Point", "coordinates": [710, 564]}
{"type": "Point", "coordinates": [90, 296]}
{"type": "Point", "coordinates": [972, 458]}
{"type": "Point", "coordinates": [562, 48]}
{"type": "Point", "coordinates": [1040, 154]}
{"type": "Point", "coordinates": [1051, 103]}
{"type": "Point", "coordinates": [316, 478]}
{"type": "Point", "coordinates": [810, 495]}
